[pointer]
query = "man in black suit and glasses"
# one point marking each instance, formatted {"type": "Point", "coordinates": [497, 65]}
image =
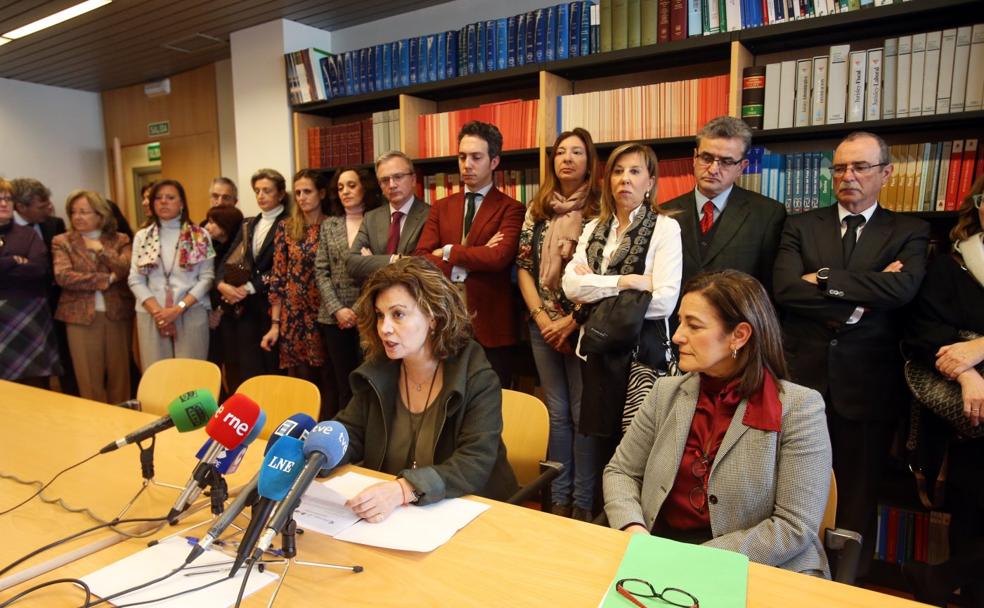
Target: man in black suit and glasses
{"type": "Point", "coordinates": [724, 226]}
{"type": "Point", "coordinates": [842, 275]}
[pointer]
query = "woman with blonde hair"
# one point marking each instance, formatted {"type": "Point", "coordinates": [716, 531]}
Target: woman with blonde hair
{"type": "Point", "coordinates": [92, 264]}
{"type": "Point", "coordinates": [632, 253]}
{"type": "Point", "coordinates": [566, 201]}
{"type": "Point", "coordinates": [427, 406]}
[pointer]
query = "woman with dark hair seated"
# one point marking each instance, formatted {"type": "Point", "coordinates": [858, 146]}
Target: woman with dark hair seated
{"type": "Point", "coordinates": [731, 454]}
{"type": "Point", "coordinates": [426, 405]}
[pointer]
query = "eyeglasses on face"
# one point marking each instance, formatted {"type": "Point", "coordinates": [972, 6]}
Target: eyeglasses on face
{"type": "Point", "coordinates": [395, 178]}
{"type": "Point", "coordinates": [633, 589]}
{"type": "Point", "coordinates": [858, 168]}
{"type": "Point", "coordinates": [706, 159]}
{"type": "Point", "coordinates": [6, 197]}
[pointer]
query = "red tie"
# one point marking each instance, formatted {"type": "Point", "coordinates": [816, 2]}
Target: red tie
{"type": "Point", "coordinates": [394, 235]}
{"type": "Point", "coordinates": [708, 218]}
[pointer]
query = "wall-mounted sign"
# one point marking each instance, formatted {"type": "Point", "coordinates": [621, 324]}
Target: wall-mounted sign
{"type": "Point", "coordinates": [153, 151]}
{"type": "Point", "coordinates": [156, 129]}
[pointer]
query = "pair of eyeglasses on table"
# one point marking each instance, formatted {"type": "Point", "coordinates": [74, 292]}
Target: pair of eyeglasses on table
{"type": "Point", "coordinates": [634, 588]}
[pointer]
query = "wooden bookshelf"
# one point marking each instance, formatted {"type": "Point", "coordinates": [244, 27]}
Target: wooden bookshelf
{"type": "Point", "coordinates": [693, 57]}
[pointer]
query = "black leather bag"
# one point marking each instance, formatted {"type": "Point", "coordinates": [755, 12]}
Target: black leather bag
{"type": "Point", "coordinates": [615, 323]}
{"type": "Point", "coordinates": [941, 395]}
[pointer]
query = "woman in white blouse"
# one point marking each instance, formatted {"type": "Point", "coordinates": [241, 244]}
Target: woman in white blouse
{"type": "Point", "coordinates": [171, 271]}
{"type": "Point", "coordinates": [631, 245]}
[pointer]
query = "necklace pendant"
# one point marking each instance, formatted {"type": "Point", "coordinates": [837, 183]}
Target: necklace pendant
{"type": "Point", "coordinates": [413, 465]}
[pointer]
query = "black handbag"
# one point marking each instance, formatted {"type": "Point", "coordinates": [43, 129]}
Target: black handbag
{"type": "Point", "coordinates": [615, 323]}
{"type": "Point", "coordinates": [940, 395]}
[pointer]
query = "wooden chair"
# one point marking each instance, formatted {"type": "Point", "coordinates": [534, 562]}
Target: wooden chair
{"type": "Point", "coordinates": [843, 546]}
{"type": "Point", "coordinates": [281, 397]}
{"type": "Point", "coordinates": [525, 432]}
{"type": "Point", "coordinates": [168, 378]}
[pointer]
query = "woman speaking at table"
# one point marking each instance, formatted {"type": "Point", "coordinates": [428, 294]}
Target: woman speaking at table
{"type": "Point", "coordinates": [731, 454]}
{"type": "Point", "coordinates": [426, 405]}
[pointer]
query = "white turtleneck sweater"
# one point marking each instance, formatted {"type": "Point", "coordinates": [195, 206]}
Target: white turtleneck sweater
{"type": "Point", "coordinates": [95, 235]}
{"type": "Point", "coordinates": [196, 280]}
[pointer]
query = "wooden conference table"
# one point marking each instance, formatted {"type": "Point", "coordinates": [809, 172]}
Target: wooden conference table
{"type": "Point", "coordinates": [508, 556]}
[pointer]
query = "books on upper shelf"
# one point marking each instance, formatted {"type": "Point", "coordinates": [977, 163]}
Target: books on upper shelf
{"type": "Point", "coordinates": [385, 132]}
{"type": "Point", "coordinates": [905, 535]}
{"type": "Point", "coordinates": [922, 74]}
{"type": "Point", "coordinates": [349, 143]}
{"type": "Point", "coordinates": [569, 29]}
{"type": "Point", "coordinates": [517, 120]}
{"type": "Point", "coordinates": [665, 109]}
{"type": "Point", "coordinates": [931, 176]}
{"type": "Point", "coordinates": [520, 184]}
{"type": "Point", "coordinates": [676, 177]}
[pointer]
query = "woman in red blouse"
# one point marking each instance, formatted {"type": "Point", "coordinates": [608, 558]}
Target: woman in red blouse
{"type": "Point", "coordinates": [731, 454]}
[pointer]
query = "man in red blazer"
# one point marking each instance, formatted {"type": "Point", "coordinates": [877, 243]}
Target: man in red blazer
{"type": "Point", "coordinates": [472, 236]}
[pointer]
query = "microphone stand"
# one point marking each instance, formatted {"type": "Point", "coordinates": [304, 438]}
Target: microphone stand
{"type": "Point", "coordinates": [147, 473]}
{"type": "Point", "coordinates": [289, 549]}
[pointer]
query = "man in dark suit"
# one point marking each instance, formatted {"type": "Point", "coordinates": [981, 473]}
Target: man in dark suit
{"type": "Point", "coordinates": [723, 226]}
{"type": "Point", "coordinates": [33, 208]}
{"type": "Point", "coordinates": [472, 236]}
{"type": "Point", "coordinates": [392, 231]}
{"type": "Point", "coordinates": [842, 275]}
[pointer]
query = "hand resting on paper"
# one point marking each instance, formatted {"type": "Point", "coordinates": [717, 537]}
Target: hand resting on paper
{"type": "Point", "coordinates": [375, 503]}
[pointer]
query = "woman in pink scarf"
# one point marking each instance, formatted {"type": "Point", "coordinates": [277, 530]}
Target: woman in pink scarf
{"type": "Point", "coordinates": [567, 199]}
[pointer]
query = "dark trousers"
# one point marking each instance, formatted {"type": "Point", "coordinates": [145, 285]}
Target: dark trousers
{"type": "Point", "coordinates": [241, 350]}
{"type": "Point", "coordinates": [342, 356]}
{"type": "Point", "coordinates": [860, 451]}
{"type": "Point", "coordinates": [500, 358]}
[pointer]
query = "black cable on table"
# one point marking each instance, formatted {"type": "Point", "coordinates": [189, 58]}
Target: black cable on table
{"type": "Point", "coordinates": [56, 543]}
{"type": "Point", "coordinates": [57, 581]}
{"type": "Point", "coordinates": [41, 489]}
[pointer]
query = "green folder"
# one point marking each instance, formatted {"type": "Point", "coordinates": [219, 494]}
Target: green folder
{"type": "Point", "coordinates": [717, 578]}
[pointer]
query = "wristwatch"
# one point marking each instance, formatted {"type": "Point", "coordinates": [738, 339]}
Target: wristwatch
{"type": "Point", "coordinates": [182, 305]}
{"type": "Point", "coordinates": [823, 275]}
{"type": "Point", "coordinates": [414, 496]}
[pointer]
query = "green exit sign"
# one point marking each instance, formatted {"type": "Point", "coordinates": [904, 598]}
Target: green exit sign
{"type": "Point", "coordinates": [154, 152]}
{"type": "Point", "coordinates": [156, 129]}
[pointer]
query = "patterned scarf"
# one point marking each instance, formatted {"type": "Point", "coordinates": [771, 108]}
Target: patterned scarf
{"type": "Point", "coordinates": [194, 247]}
{"type": "Point", "coordinates": [629, 256]}
{"type": "Point", "coordinates": [562, 234]}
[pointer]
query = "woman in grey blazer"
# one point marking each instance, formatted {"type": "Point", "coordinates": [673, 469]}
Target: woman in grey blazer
{"type": "Point", "coordinates": [730, 455]}
{"type": "Point", "coordinates": [352, 192]}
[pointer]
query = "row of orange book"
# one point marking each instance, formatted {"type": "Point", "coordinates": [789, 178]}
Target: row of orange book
{"type": "Point", "coordinates": [516, 119]}
{"type": "Point", "coordinates": [654, 111]}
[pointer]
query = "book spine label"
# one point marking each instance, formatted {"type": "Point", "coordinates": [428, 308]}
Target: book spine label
{"type": "Point", "coordinates": [804, 79]}
{"type": "Point", "coordinates": [837, 83]}
{"type": "Point", "coordinates": [975, 71]}
{"type": "Point", "coordinates": [873, 87]}
{"type": "Point", "coordinates": [856, 75]}
{"type": "Point", "coordinates": [770, 117]}
{"type": "Point", "coordinates": [917, 74]}
{"type": "Point", "coordinates": [931, 72]}
{"type": "Point", "coordinates": [818, 105]}
{"type": "Point", "coordinates": [961, 62]}
{"type": "Point", "coordinates": [903, 73]}
{"type": "Point", "coordinates": [890, 59]}
{"type": "Point", "coordinates": [753, 96]}
{"type": "Point", "coordinates": [948, 46]}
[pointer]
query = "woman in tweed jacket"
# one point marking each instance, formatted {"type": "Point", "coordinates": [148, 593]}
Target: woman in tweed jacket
{"type": "Point", "coordinates": [730, 455]}
{"type": "Point", "coordinates": [92, 264]}
{"type": "Point", "coordinates": [352, 193]}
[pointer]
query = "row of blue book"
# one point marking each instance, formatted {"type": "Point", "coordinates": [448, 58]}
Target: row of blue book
{"type": "Point", "coordinates": [801, 180]}
{"type": "Point", "coordinates": [539, 36]}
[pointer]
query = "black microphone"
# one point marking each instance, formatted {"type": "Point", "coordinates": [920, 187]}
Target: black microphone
{"type": "Point", "coordinates": [297, 426]}
{"type": "Point", "coordinates": [188, 412]}
{"type": "Point", "coordinates": [324, 448]}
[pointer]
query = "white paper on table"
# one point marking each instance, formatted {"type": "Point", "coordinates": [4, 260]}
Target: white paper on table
{"type": "Point", "coordinates": [161, 559]}
{"type": "Point", "coordinates": [409, 528]}
{"type": "Point", "coordinates": [323, 510]}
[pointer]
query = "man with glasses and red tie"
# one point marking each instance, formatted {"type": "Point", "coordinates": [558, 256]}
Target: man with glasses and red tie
{"type": "Point", "coordinates": [389, 232]}
{"type": "Point", "coordinates": [724, 226]}
{"type": "Point", "coordinates": [842, 275]}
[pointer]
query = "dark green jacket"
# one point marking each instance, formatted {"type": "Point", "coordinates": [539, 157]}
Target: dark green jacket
{"type": "Point", "coordinates": [470, 455]}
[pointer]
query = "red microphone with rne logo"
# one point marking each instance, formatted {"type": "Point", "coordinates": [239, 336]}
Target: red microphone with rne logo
{"type": "Point", "coordinates": [228, 427]}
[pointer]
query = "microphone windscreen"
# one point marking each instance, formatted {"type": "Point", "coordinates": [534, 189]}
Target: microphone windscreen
{"type": "Point", "coordinates": [233, 422]}
{"type": "Point", "coordinates": [297, 426]}
{"type": "Point", "coordinates": [192, 410]}
{"type": "Point", "coordinates": [331, 439]}
{"type": "Point", "coordinates": [281, 466]}
{"type": "Point", "coordinates": [228, 461]}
